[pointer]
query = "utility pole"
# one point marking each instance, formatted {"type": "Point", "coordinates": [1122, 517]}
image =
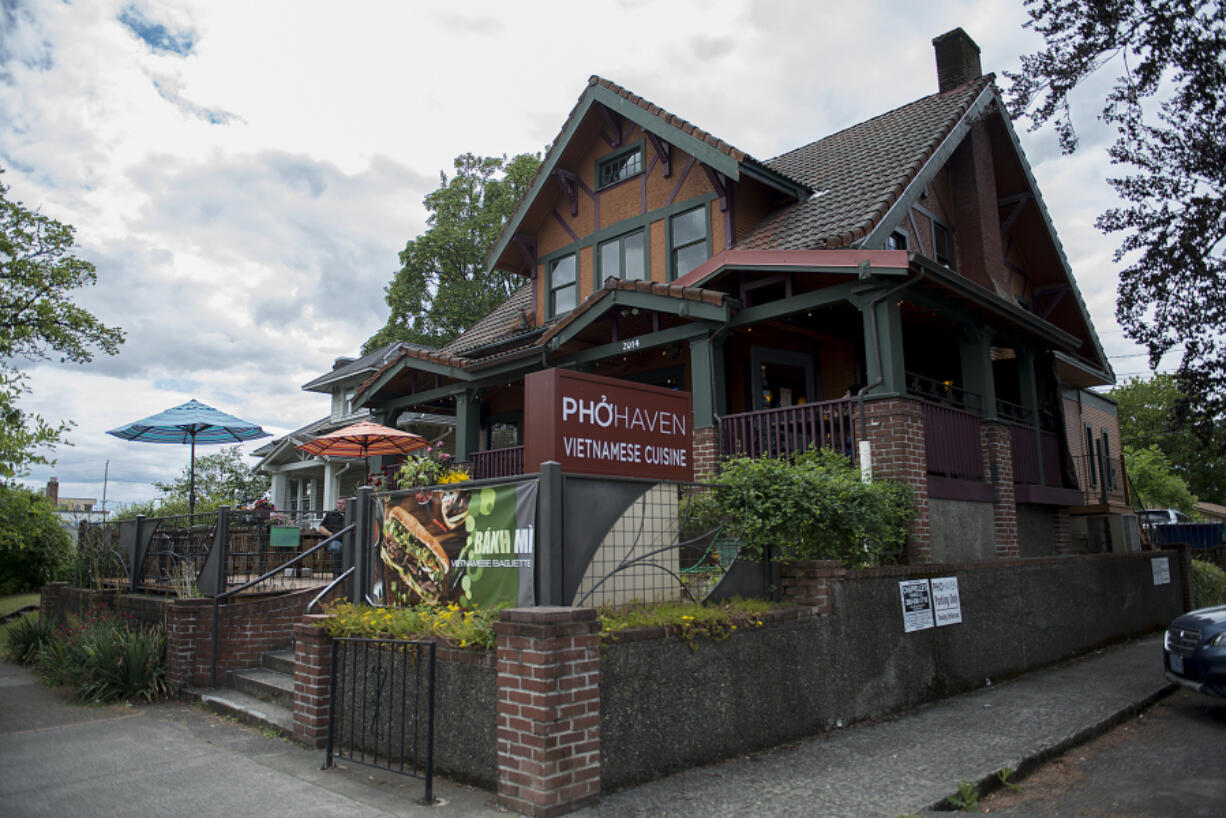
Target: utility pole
{"type": "Point", "coordinates": [106, 471]}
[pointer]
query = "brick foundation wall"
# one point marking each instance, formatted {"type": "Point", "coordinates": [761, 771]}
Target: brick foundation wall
{"type": "Point", "coordinates": [548, 722]}
{"type": "Point", "coordinates": [706, 454]}
{"type": "Point", "coordinates": [896, 433]}
{"type": "Point", "coordinates": [998, 470]}
{"type": "Point", "coordinates": [808, 583]}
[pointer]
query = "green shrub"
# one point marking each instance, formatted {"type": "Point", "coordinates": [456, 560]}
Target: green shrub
{"type": "Point", "coordinates": [1208, 584]}
{"type": "Point", "coordinates": [811, 505]}
{"type": "Point", "coordinates": [102, 660]}
{"type": "Point", "coordinates": [26, 639]}
{"type": "Point", "coordinates": [34, 547]}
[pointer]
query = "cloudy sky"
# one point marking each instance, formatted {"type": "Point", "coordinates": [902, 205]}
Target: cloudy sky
{"type": "Point", "coordinates": [243, 174]}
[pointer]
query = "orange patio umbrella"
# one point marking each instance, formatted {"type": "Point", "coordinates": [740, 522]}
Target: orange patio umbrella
{"type": "Point", "coordinates": [364, 440]}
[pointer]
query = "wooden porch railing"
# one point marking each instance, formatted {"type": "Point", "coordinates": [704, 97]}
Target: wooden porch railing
{"type": "Point", "coordinates": [952, 443]}
{"type": "Point", "coordinates": [827, 424]}
{"type": "Point", "coordinates": [506, 462]}
{"type": "Point", "coordinates": [1028, 467]}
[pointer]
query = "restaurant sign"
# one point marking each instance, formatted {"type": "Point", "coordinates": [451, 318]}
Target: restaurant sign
{"type": "Point", "coordinates": [596, 425]}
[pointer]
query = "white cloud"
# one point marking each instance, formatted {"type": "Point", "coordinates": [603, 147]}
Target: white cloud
{"type": "Point", "coordinates": [244, 174]}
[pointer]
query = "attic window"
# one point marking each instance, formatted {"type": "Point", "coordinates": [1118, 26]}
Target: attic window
{"type": "Point", "coordinates": [619, 166]}
{"type": "Point", "coordinates": [896, 241]}
{"type": "Point", "coordinates": [943, 244]}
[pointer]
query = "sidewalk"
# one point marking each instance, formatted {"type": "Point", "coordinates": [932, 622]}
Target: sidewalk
{"type": "Point", "coordinates": [58, 758]}
{"type": "Point", "coordinates": [909, 764]}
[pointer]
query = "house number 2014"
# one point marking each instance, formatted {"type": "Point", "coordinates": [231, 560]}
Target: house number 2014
{"type": "Point", "coordinates": [633, 343]}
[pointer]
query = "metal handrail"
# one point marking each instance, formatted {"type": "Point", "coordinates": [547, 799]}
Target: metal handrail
{"type": "Point", "coordinates": [262, 578]}
{"type": "Point", "coordinates": [348, 572]}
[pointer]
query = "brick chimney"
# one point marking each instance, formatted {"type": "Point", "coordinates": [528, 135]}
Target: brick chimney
{"type": "Point", "coordinates": [53, 491]}
{"type": "Point", "coordinates": [957, 59]}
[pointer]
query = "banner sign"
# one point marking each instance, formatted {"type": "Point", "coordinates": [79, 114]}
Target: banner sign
{"type": "Point", "coordinates": [596, 425]}
{"type": "Point", "coordinates": [473, 547]}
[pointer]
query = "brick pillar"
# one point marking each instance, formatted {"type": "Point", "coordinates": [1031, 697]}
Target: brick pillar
{"type": "Point", "coordinates": [706, 454]}
{"type": "Point", "coordinates": [189, 623]}
{"type": "Point", "coordinates": [312, 680]}
{"type": "Point", "coordinates": [1063, 531]}
{"type": "Point", "coordinates": [48, 600]}
{"type": "Point", "coordinates": [808, 583]}
{"type": "Point", "coordinates": [998, 471]}
{"type": "Point", "coordinates": [896, 434]}
{"type": "Point", "coordinates": [548, 709]}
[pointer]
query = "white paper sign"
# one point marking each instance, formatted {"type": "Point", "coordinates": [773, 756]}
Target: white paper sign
{"type": "Point", "coordinates": [1162, 570]}
{"type": "Point", "coordinates": [916, 604]}
{"type": "Point", "coordinates": [946, 604]}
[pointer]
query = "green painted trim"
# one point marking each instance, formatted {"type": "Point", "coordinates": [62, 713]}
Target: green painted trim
{"type": "Point", "coordinates": [899, 272]}
{"type": "Point", "coordinates": [670, 261]}
{"type": "Point", "coordinates": [467, 424]}
{"type": "Point", "coordinates": [648, 121]}
{"type": "Point", "coordinates": [641, 342]}
{"type": "Point", "coordinates": [596, 93]}
{"type": "Point", "coordinates": [639, 145]}
{"type": "Point", "coordinates": [646, 301]}
{"type": "Point", "coordinates": [702, 389]}
{"type": "Point", "coordinates": [761, 173]}
{"type": "Point", "coordinates": [421, 366]}
{"type": "Point", "coordinates": [797, 303]}
{"type": "Point", "coordinates": [643, 220]}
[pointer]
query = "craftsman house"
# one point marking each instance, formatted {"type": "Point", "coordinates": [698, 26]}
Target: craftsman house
{"type": "Point", "coordinates": [895, 290]}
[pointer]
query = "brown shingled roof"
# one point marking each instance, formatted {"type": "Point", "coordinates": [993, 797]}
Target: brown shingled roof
{"type": "Point", "coordinates": [859, 172]}
{"type": "Point", "coordinates": [510, 318]}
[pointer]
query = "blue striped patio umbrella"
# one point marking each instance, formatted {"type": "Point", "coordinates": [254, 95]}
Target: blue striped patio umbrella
{"type": "Point", "coordinates": [192, 422]}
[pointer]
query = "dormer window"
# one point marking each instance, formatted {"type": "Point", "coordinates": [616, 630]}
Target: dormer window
{"type": "Point", "coordinates": [349, 394]}
{"type": "Point", "coordinates": [619, 166]}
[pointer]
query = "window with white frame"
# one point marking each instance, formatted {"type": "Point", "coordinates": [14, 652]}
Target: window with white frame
{"type": "Point", "coordinates": [688, 234]}
{"type": "Point", "coordinates": [624, 257]}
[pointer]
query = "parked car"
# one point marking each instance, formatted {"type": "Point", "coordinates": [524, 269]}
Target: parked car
{"type": "Point", "coordinates": [1194, 651]}
{"type": "Point", "coordinates": [1162, 516]}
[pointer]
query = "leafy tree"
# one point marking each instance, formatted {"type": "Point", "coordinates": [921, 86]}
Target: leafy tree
{"type": "Point", "coordinates": [34, 547]}
{"type": "Point", "coordinates": [443, 287]}
{"type": "Point", "coordinates": [1170, 56]}
{"type": "Point", "coordinates": [222, 478]}
{"type": "Point", "coordinates": [1148, 416]}
{"type": "Point", "coordinates": [1155, 481]}
{"type": "Point", "coordinates": [38, 320]}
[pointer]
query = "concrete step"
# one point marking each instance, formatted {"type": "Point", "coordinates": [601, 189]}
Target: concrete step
{"type": "Point", "coordinates": [281, 661]}
{"type": "Point", "coordinates": [264, 684]}
{"type": "Point", "coordinates": [246, 708]}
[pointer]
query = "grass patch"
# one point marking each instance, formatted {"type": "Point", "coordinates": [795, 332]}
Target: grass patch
{"type": "Point", "coordinates": [15, 602]}
{"type": "Point", "coordinates": [717, 620]}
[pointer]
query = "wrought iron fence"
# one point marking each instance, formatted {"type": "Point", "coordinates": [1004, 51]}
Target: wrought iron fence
{"type": "Point", "coordinates": [675, 542]}
{"type": "Point", "coordinates": [827, 424]}
{"type": "Point", "coordinates": [382, 707]}
{"type": "Point", "coordinates": [171, 552]}
{"type": "Point", "coordinates": [944, 392]}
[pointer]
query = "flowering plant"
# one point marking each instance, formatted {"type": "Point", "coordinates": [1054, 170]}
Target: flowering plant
{"type": "Point", "coordinates": [433, 467]}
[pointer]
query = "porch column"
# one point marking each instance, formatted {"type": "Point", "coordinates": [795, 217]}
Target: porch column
{"type": "Point", "coordinates": [702, 389]}
{"type": "Point", "coordinates": [975, 349]}
{"type": "Point", "coordinates": [884, 350]}
{"type": "Point", "coordinates": [896, 436]}
{"type": "Point", "coordinates": [467, 424]}
{"type": "Point", "coordinates": [998, 469]}
{"type": "Point", "coordinates": [280, 490]}
{"type": "Point", "coordinates": [331, 486]}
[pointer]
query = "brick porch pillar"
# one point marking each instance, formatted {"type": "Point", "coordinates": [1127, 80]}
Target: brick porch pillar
{"type": "Point", "coordinates": [998, 471]}
{"type": "Point", "coordinates": [312, 681]}
{"type": "Point", "coordinates": [548, 709]}
{"type": "Point", "coordinates": [1063, 531]}
{"type": "Point", "coordinates": [189, 624]}
{"type": "Point", "coordinates": [896, 434]}
{"type": "Point", "coordinates": [706, 454]}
